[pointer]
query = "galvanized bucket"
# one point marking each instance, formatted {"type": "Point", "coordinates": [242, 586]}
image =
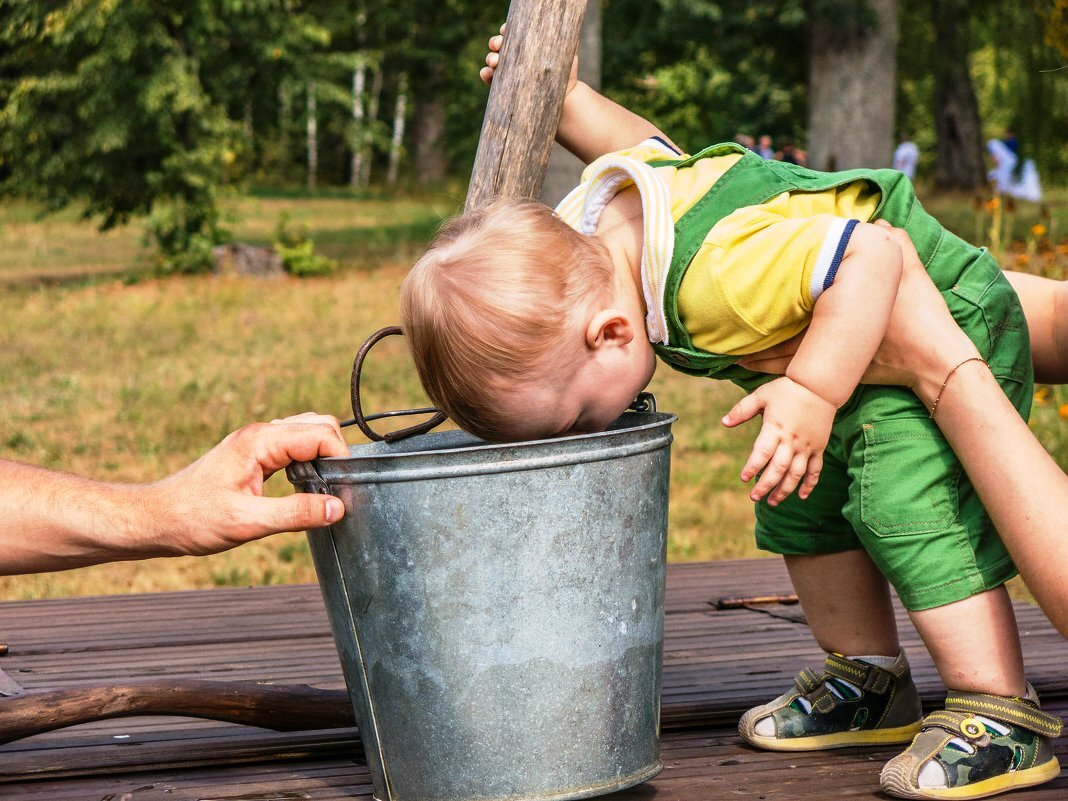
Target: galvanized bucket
{"type": "Point", "coordinates": [499, 609]}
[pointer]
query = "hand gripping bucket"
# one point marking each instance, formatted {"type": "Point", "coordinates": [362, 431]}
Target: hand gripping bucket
{"type": "Point", "coordinates": [499, 609]}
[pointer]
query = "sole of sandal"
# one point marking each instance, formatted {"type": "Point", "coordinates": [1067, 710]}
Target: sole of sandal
{"type": "Point", "coordinates": [898, 783]}
{"type": "Point", "coordinates": [842, 739]}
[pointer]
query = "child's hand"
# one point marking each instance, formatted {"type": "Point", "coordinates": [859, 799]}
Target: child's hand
{"type": "Point", "coordinates": [493, 58]}
{"type": "Point", "coordinates": [789, 449]}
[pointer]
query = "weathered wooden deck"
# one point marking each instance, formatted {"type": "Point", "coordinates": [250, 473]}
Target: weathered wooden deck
{"type": "Point", "coordinates": [716, 665]}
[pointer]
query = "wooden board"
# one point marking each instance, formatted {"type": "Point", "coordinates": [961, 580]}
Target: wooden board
{"type": "Point", "coordinates": [716, 665]}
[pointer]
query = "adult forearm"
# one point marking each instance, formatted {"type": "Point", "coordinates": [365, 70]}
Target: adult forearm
{"type": "Point", "coordinates": [1045, 304]}
{"type": "Point", "coordinates": [592, 125]}
{"type": "Point", "coordinates": [1023, 489]}
{"type": "Point", "coordinates": [53, 521]}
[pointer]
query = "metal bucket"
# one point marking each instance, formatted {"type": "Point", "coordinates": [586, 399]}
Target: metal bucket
{"type": "Point", "coordinates": [499, 609]}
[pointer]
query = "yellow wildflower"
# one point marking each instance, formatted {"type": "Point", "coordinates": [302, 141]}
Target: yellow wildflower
{"type": "Point", "coordinates": [1038, 229]}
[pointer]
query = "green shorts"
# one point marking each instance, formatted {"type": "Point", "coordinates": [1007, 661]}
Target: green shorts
{"type": "Point", "coordinates": [891, 484]}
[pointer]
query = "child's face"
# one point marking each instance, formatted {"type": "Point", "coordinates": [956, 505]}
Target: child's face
{"type": "Point", "coordinates": [589, 399]}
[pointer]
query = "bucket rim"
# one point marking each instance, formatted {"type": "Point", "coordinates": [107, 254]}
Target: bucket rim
{"type": "Point", "coordinates": [473, 445]}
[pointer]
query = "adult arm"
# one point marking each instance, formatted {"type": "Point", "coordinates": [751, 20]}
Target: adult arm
{"type": "Point", "coordinates": [590, 124]}
{"type": "Point", "coordinates": [55, 521]}
{"type": "Point", "coordinates": [1022, 488]}
{"type": "Point", "coordinates": [1045, 304]}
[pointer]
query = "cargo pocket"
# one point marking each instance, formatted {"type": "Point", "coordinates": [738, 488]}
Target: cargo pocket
{"type": "Point", "coordinates": [909, 478]}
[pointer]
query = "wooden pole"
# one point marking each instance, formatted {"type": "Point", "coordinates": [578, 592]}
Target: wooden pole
{"type": "Point", "coordinates": [525, 100]}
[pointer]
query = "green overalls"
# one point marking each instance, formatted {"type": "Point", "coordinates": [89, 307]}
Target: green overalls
{"type": "Point", "coordinates": [890, 482]}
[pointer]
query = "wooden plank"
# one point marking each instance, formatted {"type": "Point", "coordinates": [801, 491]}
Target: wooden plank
{"type": "Point", "coordinates": [717, 663]}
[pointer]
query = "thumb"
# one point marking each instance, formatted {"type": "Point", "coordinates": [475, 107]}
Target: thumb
{"type": "Point", "coordinates": [745, 409]}
{"type": "Point", "coordinates": [298, 512]}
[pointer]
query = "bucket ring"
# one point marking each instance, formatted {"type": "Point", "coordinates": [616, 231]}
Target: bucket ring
{"type": "Point", "coordinates": [645, 402]}
{"type": "Point", "coordinates": [362, 421]}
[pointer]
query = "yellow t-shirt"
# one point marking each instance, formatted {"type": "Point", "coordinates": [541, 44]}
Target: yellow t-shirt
{"type": "Point", "coordinates": [757, 275]}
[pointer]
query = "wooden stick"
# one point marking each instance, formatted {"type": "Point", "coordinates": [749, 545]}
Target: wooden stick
{"type": "Point", "coordinates": [742, 601]}
{"type": "Point", "coordinates": [525, 100]}
{"type": "Point", "coordinates": [269, 706]}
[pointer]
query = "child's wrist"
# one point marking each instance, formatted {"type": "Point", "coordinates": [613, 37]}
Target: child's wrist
{"type": "Point", "coordinates": [810, 387]}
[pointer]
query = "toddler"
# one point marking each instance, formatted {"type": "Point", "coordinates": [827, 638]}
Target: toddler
{"type": "Point", "coordinates": [526, 323]}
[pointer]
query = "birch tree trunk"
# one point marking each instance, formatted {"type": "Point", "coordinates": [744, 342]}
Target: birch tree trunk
{"type": "Point", "coordinates": [852, 71]}
{"type": "Point", "coordinates": [400, 109]}
{"type": "Point", "coordinates": [313, 137]}
{"type": "Point", "coordinates": [358, 134]}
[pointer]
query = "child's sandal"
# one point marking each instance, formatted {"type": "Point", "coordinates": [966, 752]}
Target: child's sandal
{"type": "Point", "coordinates": [980, 745]}
{"type": "Point", "coordinates": [850, 703]}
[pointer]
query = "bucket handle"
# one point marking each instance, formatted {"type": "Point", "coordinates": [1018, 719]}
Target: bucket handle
{"type": "Point", "coordinates": [362, 421]}
{"type": "Point", "coordinates": [645, 402]}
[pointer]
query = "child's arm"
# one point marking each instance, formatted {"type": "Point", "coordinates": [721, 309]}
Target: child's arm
{"type": "Point", "coordinates": [590, 124]}
{"type": "Point", "coordinates": [848, 323]}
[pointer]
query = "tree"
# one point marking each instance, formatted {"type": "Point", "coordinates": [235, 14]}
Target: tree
{"type": "Point", "coordinates": [128, 108]}
{"type": "Point", "coordinates": [852, 57]}
{"type": "Point", "coordinates": [959, 136]}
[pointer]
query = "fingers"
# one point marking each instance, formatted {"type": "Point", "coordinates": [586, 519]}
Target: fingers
{"type": "Point", "coordinates": [812, 476]}
{"type": "Point", "coordinates": [493, 58]}
{"type": "Point", "coordinates": [775, 471]}
{"type": "Point", "coordinates": [274, 446]}
{"type": "Point", "coordinates": [745, 409]}
{"type": "Point", "coordinates": [315, 419]}
{"type": "Point", "coordinates": [787, 470]}
{"type": "Point", "coordinates": [764, 449]}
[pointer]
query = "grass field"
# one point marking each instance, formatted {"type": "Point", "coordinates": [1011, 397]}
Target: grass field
{"type": "Point", "coordinates": [129, 381]}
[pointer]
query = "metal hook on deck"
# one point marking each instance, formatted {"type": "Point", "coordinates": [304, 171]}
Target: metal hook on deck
{"type": "Point", "coordinates": [361, 420]}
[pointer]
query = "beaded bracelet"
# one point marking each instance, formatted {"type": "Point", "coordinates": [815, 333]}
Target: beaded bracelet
{"type": "Point", "coordinates": [934, 406]}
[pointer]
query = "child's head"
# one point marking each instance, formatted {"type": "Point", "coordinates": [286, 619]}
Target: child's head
{"type": "Point", "coordinates": [497, 312]}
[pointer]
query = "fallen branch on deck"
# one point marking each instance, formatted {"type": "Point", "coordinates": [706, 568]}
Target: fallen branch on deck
{"type": "Point", "coordinates": [292, 707]}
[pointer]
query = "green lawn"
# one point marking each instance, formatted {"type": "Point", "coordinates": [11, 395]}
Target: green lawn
{"type": "Point", "coordinates": [129, 381]}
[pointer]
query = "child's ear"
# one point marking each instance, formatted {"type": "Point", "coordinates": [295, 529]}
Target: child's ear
{"type": "Point", "coordinates": [609, 327]}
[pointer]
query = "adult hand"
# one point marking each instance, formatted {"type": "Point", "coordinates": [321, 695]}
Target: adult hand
{"type": "Point", "coordinates": [217, 502]}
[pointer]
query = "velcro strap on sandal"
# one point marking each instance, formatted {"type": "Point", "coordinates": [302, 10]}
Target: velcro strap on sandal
{"type": "Point", "coordinates": [867, 677]}
{"type": "Point", "coordinates": [810, 685]}
{"type": "Point", "coordinates": [950, 721]}
{"type": "Point", "coordinates": [1014, 711]}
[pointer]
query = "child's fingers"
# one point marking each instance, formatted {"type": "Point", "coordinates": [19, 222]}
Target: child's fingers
{"type": "Point", "coordinates": [763, 449]}
{"type": "Point", "coordinates": [495, 43]}
{"type": "Point", "coordinates": [486, 74]}
{"type": "Point", "coordinates": [773, 474]}
{"type": "Point", "coordinates": [797, 471]}
{"type": "Point", "coordinates": [812, 476]}
{"type": "Point", "coordinates": [492, 60]}
{"type": "Point", "coordinates": [745, 409]}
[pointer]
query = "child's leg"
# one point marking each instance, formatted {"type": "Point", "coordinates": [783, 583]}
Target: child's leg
{"type": "Point", "coordinates": [865, 694]}
{"type": "Point", "coordinates": [991, 737]}
{"type": "Point", "coordinates": [975, 644]}
{"type": "Point", "coordinates": [846, 602]}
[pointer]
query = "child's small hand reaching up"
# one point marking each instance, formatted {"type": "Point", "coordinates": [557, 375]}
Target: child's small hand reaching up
{"type": "Point", "coordinates": [789, 449]}
{"type": "Point", "coordinates": [493, 58]}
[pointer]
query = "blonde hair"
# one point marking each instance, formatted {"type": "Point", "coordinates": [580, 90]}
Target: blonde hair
{"type": "Point", "coordinates": [497, 295]}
